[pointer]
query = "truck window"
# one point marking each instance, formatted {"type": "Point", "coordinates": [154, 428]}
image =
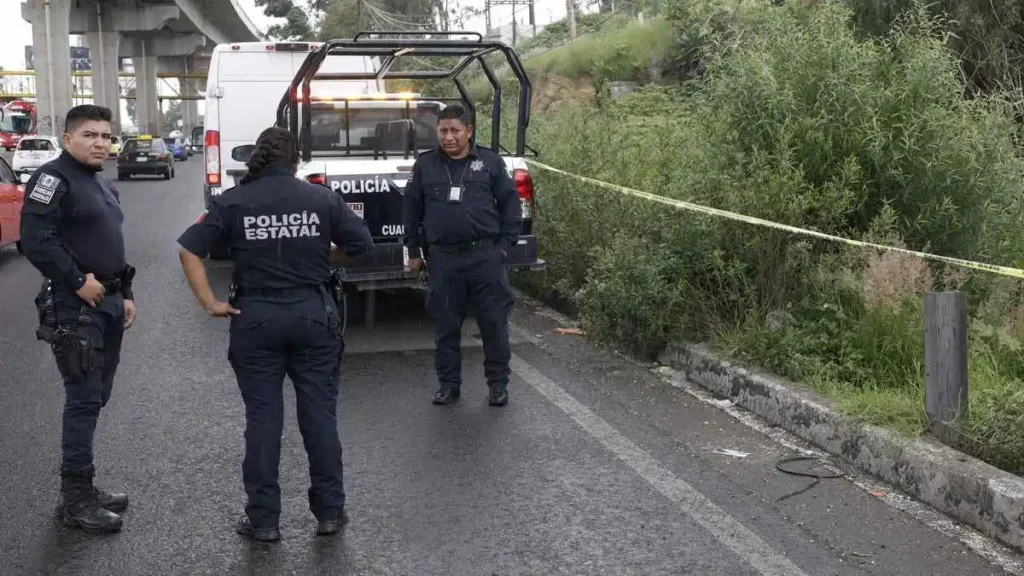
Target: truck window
{"type": "Point", "coordinates": [143, 146]}
{"type": "Point", "coordinates": [366, 129]}
{"type": "Point", "coordinates": [16, 123]}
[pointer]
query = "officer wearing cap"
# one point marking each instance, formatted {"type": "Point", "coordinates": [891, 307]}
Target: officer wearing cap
{"type": "Point", "coordinates": [71, 232]}
{"type": "Point", "coordinates": [461, 207]}
{"type": "Point", "coordinates": [280, 231]}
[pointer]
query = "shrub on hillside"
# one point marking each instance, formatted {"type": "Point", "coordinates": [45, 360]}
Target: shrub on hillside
{"type": "Point", "coordinates": [807, 123]}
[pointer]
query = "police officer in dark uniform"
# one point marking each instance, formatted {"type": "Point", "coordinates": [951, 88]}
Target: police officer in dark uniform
{"type": "Point", "coordinates": [280, 231]}
{"type": "Point", "coordinates": [462, 207]}
{"type": "Point", "coordinates": [71, 231]}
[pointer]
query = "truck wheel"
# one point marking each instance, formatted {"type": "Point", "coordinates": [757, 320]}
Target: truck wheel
{"type": "Point", "coordinates": [122, 176]}
{"type": "Point", "coordinates": [167, 174]}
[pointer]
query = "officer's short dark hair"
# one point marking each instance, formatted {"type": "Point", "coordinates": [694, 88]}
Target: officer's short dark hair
{"type": "Point", "coordinates": [86, 112]}
{"type": "Point", "coordinates": [455, 112]}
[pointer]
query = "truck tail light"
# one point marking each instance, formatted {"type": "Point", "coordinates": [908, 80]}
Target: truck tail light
{"type": "Point", "coordinates": [211, 147]}
{"type": "Point", "coordinates": [320, 179]}
{"type": "Point", "coordinates": [524, 186]}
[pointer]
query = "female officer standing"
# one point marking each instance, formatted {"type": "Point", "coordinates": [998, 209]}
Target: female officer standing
{"type": "Point", "coordinates": [280, 230]}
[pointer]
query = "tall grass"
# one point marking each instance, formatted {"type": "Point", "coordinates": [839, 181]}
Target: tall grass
{"type": "Point", "coordinates": [800, 119]}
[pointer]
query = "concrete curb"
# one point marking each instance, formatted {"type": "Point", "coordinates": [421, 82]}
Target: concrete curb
{"type": "Point", "coordinates": [966, 488]}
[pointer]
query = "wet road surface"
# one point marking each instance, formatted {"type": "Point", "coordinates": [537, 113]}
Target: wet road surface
{"type": "Point", "coordinates": [597, 465]}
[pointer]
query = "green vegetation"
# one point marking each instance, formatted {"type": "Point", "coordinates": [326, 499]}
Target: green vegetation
{"type": "Point", "coordinates": [793, 114]}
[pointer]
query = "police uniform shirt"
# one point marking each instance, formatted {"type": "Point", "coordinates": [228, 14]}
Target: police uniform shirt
{"type": "Point", "coordinates": [71, 223]}
{"type": "Point", "coordinates": [489, 208]}
{"type": "Point", "coordinates": [279, 230]}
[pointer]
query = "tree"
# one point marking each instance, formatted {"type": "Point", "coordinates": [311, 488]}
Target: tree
{"type": "Point", "coordinates": [130, 104]}
{"type": "Point", "coordinates": [342, 20]}
{"type": "Point", "coordinates": [173, 116]}
{"type": "Point", "coordinates": [298, 25]}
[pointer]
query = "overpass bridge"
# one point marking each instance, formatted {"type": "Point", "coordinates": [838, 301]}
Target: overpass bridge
{"type": "Point", "coordinates": [162, 37]}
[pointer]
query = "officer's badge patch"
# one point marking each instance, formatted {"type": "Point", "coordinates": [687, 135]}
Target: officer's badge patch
{"type": "Point", "coordinates": [476, 165]}
{"type": "Point", "coordinates": [44, 189]}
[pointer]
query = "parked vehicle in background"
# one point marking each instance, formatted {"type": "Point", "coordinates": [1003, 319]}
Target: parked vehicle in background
{"type": "Point", "coordinates": [12, 194]}
{"type": "Point", "coordinates": [115, 146]}
{"type": "Point", "coordinates": [243, 87]}
{"type": "Point", "coordinates": [17, 120]}
{"type": "Point", "coordinates": [33, 152]}
{"type": "Point", "coordinates": [197, 139]}
{"type": "Point", "coordinates": [363, 146]}
{"type": "Point", "coordinates": [177, 147]}
{"type": "Point", "coordinates": [145, 155]}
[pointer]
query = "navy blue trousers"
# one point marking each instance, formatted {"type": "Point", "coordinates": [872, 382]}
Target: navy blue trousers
{"type": "Point", "coordinates": [456, 281]}
{"type": "Point", "coordinates": [269, 339]}
{"type": "Point", "coordinates": [85, 396]}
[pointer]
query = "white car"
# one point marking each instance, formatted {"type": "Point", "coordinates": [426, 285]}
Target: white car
{"type": "Point", "coordinates": [33, 152]}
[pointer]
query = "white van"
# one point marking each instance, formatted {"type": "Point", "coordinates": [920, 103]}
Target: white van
{"type": "Point", "coordinates": [243, 89]}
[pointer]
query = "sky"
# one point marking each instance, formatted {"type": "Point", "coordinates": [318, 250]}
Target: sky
{"type": "Point", "coordinates": [16, 33]}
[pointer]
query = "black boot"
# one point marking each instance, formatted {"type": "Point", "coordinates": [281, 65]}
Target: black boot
{"type": "Point", "coordinates": [81, 508]}
{"type": "Point", "coordinates": [332, 526]}
{"type": "Point", "coordinates": [498, 395]}
{"type": "Point", "coordinates": [113, 501]}
{"type": "Point", "coordinates": [446, 395]}
{"type": "Point", "coordinates": [262, 534]}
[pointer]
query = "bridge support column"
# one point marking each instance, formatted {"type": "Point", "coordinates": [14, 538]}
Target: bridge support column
{"type": "Point", "coordinates": [52, 54]}
{"type": "Point", "coordinates": [146, 102]}
{"type": "Point", "coordinates": [186, 87]}
{"type": "Point", "coordinates": [145, 52]}
{"type": "Point", "coordinates": [103, 47]}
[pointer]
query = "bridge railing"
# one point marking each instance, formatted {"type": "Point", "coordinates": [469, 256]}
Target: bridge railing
{"type": "Point", "coordinates": [21, 85]}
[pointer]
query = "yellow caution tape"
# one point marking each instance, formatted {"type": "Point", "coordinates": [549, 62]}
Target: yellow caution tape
{"type": "Point", "coordinates": [1005, 271]}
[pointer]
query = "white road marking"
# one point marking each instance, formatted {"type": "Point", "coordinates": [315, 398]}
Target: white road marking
{"type": "Point", "coordinates": [701, 510]}
{"type": "Point", "coordinates": [997, 554]}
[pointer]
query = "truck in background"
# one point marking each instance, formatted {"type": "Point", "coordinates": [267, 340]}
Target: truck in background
{"type": "Point", "coordinates": [17, 119]}
{"type": "Point", "coordinates": [363, 146]}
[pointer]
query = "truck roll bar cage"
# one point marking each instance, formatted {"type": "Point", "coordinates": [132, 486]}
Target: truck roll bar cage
{"type": "Point", "coordinates": [391, 49]}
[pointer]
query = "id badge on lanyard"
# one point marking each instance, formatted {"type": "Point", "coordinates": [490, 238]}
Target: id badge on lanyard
{"type": "Point", "coordinates": [455, 192]}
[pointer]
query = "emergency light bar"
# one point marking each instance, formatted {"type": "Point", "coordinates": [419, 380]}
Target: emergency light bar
{"type": "Point", "coordinates": [322, 95]}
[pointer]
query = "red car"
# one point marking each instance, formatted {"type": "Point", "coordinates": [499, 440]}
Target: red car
{"type": "Point", "coordinates": [12, 194]}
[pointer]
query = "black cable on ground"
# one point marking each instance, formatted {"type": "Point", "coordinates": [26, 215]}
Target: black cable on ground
{"type": "Point", "coordinates": [818, 476]}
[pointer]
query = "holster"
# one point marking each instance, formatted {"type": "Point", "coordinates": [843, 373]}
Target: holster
{"type": "Point", "coordinates": [75, 354]}
{"type": "Point", "coordinates": [126, 281]}
{"type": "Point", "coordinates": [47, 313]}
{"type": "Point", "coordinates": [334, 320]}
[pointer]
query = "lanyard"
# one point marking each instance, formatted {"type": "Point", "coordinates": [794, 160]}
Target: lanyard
{"type": "Point", "coordinates": [463, 178]}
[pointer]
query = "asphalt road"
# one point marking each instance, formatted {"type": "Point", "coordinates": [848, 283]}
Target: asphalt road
{"type": "Point", "coordinates": [597, 466]}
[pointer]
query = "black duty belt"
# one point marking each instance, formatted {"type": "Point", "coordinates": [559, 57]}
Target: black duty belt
{"type": "Point", "coordinates": [463, 247]}
{"type": "Point", "coordinates": [276, 292]}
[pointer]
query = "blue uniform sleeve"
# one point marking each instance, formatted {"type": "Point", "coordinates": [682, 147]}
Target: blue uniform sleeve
{"type": "Point", "coordinates": [412, 213]}
{"type": "Point", "coordinates": [349, 232]}
{"type": "Point", "coordinates": [211, 228]}
{"type": "Point", "coordinates": [46, 198]}
{"type": "Point", "coordinates": [509, 207]}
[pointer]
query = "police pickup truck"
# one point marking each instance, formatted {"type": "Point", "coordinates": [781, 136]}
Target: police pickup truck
{"type": "Point", "coordinates": [363, 145]}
